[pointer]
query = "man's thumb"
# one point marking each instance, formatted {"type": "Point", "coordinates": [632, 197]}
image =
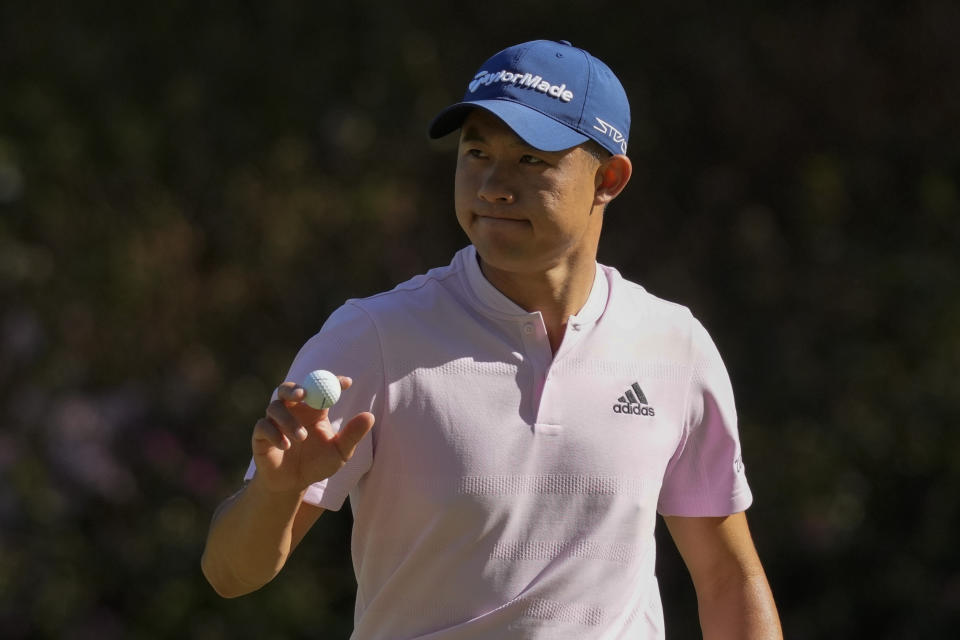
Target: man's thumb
{"type": "Point", "coordinates": [352, 433]}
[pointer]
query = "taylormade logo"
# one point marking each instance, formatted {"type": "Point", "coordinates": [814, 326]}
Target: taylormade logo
{"type": "Point", "coordinates": [528, 80]}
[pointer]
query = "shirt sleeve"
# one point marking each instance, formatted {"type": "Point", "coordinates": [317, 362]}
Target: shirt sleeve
{"type": "Point", "coordinates": [348, 345]}
{"type": "Point", "coordinates": [706, 475]}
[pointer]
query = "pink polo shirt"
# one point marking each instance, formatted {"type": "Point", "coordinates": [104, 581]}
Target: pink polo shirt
{"type": "Point", "coordinates": [509, 493]}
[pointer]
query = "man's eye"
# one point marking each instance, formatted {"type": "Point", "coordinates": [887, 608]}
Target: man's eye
{"type": "Point", "coordinates": [475, 153]}
{"type": "Point", "coordinates": [528, 159]}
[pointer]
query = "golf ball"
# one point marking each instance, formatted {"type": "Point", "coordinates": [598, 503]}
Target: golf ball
{"type": "Point", "coordinates": [323, 389]}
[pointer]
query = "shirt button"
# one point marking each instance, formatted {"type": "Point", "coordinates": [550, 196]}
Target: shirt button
{"type": "Point", "coordinates": [528, 329]}
{"type": "Point", "coordinates": [576, 326]}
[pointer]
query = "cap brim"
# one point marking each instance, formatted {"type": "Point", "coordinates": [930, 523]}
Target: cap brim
{"type": "Point", "coordinates": [536, 129]}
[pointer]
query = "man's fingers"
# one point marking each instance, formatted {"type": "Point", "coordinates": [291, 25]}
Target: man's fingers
{"type": "Point", "coordinates": [292, 420]}
{"type": "Point", "coordinates": [266, 435]}
{"type": "Point", "coordinates": [352, 433]}
{"type": "Point", "coordinates": [280, 415]}
{"type": "Point", "coordinates": [291, 392]}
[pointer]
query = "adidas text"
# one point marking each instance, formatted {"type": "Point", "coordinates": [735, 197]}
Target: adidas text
{"type": "Point", "coordinates": [635, 409]}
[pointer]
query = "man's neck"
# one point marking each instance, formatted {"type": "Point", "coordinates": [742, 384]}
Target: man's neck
{"type": "Point", "coordinates": [557, 293]}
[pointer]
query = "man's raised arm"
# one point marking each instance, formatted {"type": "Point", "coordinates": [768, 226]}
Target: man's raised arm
{"type": "Point", "coordinates": [254, 531]}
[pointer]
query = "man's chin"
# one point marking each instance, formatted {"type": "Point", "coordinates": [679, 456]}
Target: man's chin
{"type": "Point", "coordinates": [506, 258]}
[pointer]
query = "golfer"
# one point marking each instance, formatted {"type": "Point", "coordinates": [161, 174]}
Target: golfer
{"type": "Point", "coordinates": [512, 423]}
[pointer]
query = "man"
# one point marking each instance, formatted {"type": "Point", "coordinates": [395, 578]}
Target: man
{"type": "Point", "coordinates": [533, 409]}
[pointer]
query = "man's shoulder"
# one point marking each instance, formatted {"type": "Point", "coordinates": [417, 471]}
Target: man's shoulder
{"type": "Point", "coordinates": [420, 291]}
{"type": "Point", "coordinates": [634, 298]}
{"type": "Point", "coordinates": [672, 322]}
{"type": "Point", "coordinates": [358, 320]}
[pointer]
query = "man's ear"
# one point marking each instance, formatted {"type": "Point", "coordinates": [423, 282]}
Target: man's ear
{"type": "Point", "coordinates": [613, 174]}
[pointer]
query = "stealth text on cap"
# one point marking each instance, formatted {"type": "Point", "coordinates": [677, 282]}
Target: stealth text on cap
{"type": "Point", "coordinates": [537, 83]}
{"type": "Point", "coordinates": [612, 132]}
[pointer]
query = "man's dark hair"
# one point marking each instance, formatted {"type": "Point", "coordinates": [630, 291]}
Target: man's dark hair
{"type": "Point", "coordinates": [596, 150]}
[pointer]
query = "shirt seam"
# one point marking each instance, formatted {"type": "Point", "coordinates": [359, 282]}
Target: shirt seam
{"type": "Point", "coordinates": [685, 425]}
{"type": "Point", "coordinates": [453, 270]}
{"type": "Point", "coordinates": [383, 359]}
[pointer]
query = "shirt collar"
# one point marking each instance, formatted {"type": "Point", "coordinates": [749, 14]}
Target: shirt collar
{"type": "Point", "coordinates": [491, 298]}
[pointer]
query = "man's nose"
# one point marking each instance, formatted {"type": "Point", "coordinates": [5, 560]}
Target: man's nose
{"type": "Point", "coordinates": [495, 186]}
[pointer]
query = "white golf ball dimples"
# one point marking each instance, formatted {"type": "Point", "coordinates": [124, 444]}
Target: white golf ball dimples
{"type": "Point", "coordinates": [323, 389]}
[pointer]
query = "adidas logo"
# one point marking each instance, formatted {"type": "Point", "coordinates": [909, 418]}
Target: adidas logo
{"type": "Point", "coordinates": [633, 402]}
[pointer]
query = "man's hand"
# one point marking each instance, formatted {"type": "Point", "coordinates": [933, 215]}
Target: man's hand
{"type": "Point", "coordinates": [294, 445]}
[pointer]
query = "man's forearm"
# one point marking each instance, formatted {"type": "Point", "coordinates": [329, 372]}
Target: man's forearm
{"type": "Point", "coordinates": [249, 540]}
{"type": "Point", "coordinates": [741, 609]}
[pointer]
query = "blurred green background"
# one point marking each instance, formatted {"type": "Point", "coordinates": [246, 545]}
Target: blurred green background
{"type": "Point", "coordinates": [187, 189]}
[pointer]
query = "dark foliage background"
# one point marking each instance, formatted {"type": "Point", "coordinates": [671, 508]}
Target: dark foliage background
{"type": "Point", "coordinates": [187, 189]}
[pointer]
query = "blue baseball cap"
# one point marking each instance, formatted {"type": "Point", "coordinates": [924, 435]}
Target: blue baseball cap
{"type": "Point", "coordinates": [552, 94]}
